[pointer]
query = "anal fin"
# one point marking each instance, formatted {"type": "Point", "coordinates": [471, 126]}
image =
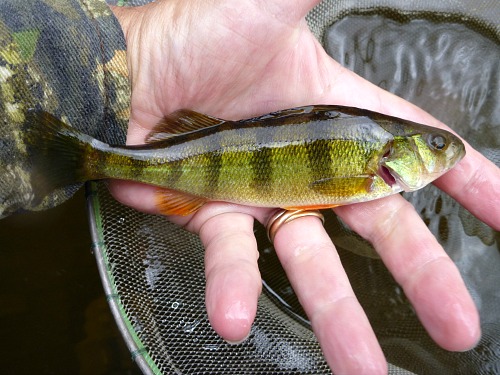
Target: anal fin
{"type": "Point", "coordinates": [172, 202]}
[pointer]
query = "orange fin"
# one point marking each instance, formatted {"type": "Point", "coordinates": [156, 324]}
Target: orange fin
{"type": "Point", "coordinates": [180, 122]}
{"type": "Point", "coordinates": [313, 207]}
{"type": "Point", "coordinates": [171, 202]}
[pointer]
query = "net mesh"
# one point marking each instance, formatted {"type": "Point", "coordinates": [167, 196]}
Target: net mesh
{"type": "Point", "coordinates": [157, 286]}
{"type": "Point", "coordinates": [153, 271]}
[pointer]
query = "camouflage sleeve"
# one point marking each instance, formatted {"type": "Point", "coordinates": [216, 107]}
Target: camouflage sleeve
{"type": "Point", "coordinates": [68, 58]}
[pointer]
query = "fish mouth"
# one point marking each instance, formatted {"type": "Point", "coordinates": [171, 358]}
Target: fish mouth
{"type": "Point", "coordinates": [385, 173]}
{"type": "Point", "coordinates": [392, 179]}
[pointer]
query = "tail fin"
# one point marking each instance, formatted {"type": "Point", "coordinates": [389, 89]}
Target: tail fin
{"type": "Point", "coordinates": [57, 153]}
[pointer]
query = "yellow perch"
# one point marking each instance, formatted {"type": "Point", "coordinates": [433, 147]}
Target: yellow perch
{"type": "Point", "coordinates": [307, 157]}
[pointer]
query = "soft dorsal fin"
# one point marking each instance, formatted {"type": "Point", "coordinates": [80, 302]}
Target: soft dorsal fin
{"type": "Point", "coordinates": [180, 122]}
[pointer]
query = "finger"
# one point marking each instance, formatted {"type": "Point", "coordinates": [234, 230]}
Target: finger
{"type": "Point", "coordinates": [316, 274]}
{"type": "Point", "coordinates": [475, 183]}
{"type": "Point", "coordinates": [419, 264]}
{"type": "Point", "coordinates": [233, 281]}
{"type": "Point", "coordinates": [134, 194]}
{"type": "Point", "coordinates": [142, 197]}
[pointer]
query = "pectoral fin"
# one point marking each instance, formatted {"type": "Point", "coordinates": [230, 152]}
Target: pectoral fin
{"type": "Point", "coordinates": [171, 202]}
{"type": "Point", "coordinates": [337, 186]}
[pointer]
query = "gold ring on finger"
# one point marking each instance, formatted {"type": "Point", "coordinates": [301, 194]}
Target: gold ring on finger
{"type": "Point", "coordinates": [283, 216]}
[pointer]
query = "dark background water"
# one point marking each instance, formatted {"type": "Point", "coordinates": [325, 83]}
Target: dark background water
{"type": "Point", "coordinates": [54, 318]}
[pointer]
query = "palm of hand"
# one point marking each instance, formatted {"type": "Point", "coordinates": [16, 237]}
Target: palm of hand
{"type": "Point", "coordinates": [238, 60]}
{"type": "Point", "coordinates": [233, 68]}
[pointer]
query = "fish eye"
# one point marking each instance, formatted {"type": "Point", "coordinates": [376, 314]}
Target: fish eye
{"type": "Point", "coordinates": [437, 142]}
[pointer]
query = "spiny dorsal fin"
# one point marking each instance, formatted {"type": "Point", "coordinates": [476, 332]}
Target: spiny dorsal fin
{"type": "Point", "coordinates": [180, 122]}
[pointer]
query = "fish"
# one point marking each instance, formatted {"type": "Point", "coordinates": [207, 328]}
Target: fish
{"type": "Point", "coordinates": [309, 157]}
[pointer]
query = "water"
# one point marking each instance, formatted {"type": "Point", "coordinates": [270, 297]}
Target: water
{"type": "Point", "coordinates": [54, 316]}
{"type": "Point", "coordinates": [448, 69]}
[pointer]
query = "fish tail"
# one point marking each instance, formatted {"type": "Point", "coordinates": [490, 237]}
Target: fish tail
{"type": "Point", "coordinates": [57, 154]}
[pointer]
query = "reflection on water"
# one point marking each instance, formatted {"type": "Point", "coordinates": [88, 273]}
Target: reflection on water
{"type": "Point", "coordinates": [54, 316]}
{"type": "Point", "coordinates": [446, 68]}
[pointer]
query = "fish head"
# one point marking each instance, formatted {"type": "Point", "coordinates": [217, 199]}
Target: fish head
{"type": "Point", "coordinates": [412, 161]}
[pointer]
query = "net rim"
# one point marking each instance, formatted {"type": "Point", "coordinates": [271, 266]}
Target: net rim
{"type": "Point", "coordinates": [138, 351]}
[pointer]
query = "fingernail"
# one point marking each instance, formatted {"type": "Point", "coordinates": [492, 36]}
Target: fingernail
{"type": "Point", "coordinates": [238, 312]}
{"type": "Point", "coordinates": [237, 342]}
{"type": "Point", "coordinates": [238, 321]}
{"type": "Point", "coordinates": [470, 327]}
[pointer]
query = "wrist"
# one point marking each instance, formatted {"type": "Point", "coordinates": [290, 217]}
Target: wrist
{"type": "Point", "coordinates": [124, 16]}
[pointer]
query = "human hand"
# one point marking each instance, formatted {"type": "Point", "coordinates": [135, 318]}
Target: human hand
{"type": "Point", "coordinates": [239, 59]}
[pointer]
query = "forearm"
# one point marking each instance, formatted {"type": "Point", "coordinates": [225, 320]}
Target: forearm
{"type": "Point", "coordinates": [66, 57]}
